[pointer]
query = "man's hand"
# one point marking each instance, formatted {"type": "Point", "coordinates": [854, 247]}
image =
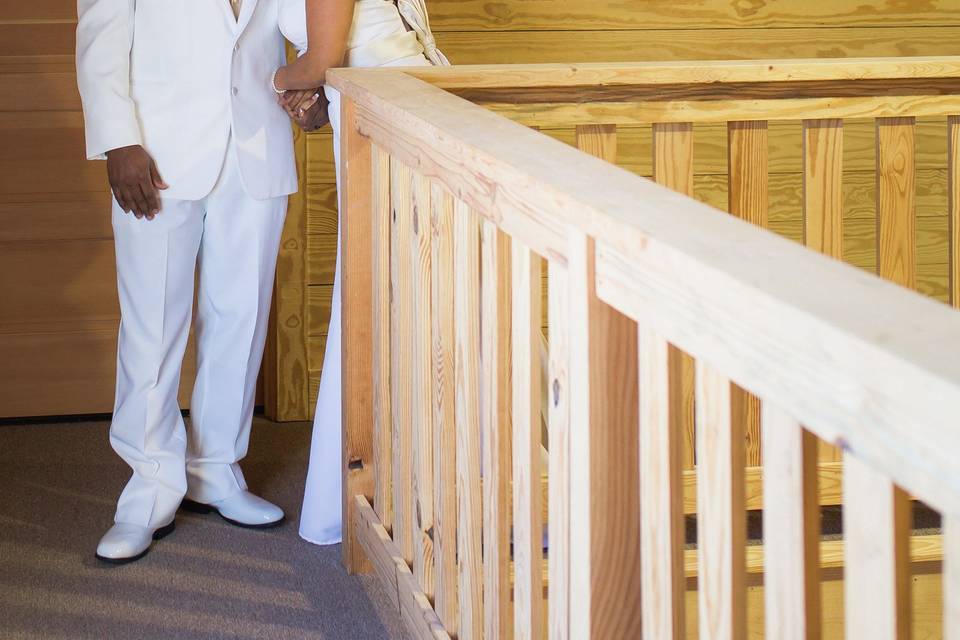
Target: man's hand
{"type": "Point", "coordinates": [135, 181]}
{"type": "Point", "coordinates": [316, 116]}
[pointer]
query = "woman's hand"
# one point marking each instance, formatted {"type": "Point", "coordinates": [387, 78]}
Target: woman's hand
{"type": "Point", "coordinates": [298, 101]}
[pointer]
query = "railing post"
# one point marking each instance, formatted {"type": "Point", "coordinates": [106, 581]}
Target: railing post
{"type": "Point", "coordinates": [357, 330]}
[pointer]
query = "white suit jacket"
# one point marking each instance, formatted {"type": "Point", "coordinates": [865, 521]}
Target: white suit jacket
{"type": "Point", "coordinates": [177, 76]}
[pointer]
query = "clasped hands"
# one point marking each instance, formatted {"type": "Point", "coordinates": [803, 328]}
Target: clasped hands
{"type": "Point", "coordinates": [308, 108]}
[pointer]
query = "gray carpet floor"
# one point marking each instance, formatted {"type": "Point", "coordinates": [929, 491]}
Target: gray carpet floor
{"type": "Point", "coordinates": [58, 486]}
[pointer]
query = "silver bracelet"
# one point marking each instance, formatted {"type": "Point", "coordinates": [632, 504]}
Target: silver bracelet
{"type": "Point", "coordinates": [273, 83]}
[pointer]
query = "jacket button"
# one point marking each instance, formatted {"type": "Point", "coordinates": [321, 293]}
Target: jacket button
{"type": "Point", "coordinates": [236, 91]}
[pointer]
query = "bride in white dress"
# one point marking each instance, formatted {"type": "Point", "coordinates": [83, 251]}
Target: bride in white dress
{"type": "Point", "coordinates": [361, 33]}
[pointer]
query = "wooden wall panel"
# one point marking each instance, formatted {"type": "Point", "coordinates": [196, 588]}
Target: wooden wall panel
{"type": "Point", "coordinates": [59, 313]}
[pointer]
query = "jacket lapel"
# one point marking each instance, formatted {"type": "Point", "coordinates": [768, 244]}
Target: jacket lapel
{"type": "Point", "coordinates": [246, 12]}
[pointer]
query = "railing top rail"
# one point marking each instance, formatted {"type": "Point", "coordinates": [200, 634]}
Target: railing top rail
{"type": "Point", "coordinates": [689, 72]}
{"type": "Point", "coordinates": [872, 366]}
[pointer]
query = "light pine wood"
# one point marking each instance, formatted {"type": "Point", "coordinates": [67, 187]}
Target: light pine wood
{"type": "Point", "coordinates": [421, 374]}
{"type": "Point", "coordinates": [558, 426]}
{"type": "Point", "coordinates": [357, 357]}
{"type": "Point", "coordinates": [411, 603]}
{"type": "Point", "coordinates": [661, 492]}
{"type": "Point", "coordinates": [401, 356]}
{"type": "Point", "coordinates": [527, 514]}
{"type": "Point", "coordinates": [444, 409]}
{"type": "Point", "coordinates": [896, 204]}
{"type": "Point", "coordinates": [876, 529]}
{"type": "Point", "coordinates": [604, 469]}
{"type": "Point", "coordinates": [495, 416]}
{"type": "Point", "coordinates": [823, 202]}
{"type": "Point", "coordinates": [382, 417]}
{"type": "Point", "coordinates": [672, 146]}
{"type": "Point", "coordinates": [791, 529]}
{"type": "Point", "coordinates": [747, 150]}
{"type": "Point", "coordinates": [721, 520]}
{"type": "Point", "coordinates": [951, 577]}
{"type": "Point", "coordinates": [466, 255]}
{"type": "Point", "coordinates": [953, 204]}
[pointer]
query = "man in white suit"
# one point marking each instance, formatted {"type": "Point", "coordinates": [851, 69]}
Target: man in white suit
{"type": "Point", "coordinates": [177, 96]}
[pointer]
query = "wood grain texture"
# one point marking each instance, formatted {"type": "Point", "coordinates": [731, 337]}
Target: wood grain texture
{"type": "Point", "coordinates": [951, 577]}
{"type": "Point", "coordinates": [401, 356]}
{"type": "Point", "coordinates": [357, 341]}
{"type": "Point", "coordinates": [382, 382]}
{"type": "Point", "coordinates": [421, 393]}
{"type": "Point", "coordinates": [876, 522]}
{"type": "Point", "coordinates": [466, 255]}
{"type": "Point", "coordinates": [604, 482]}
{"type": "Point", "coordinates": [444, 409]}
{"type": "Point", "coordinates": [721, 520]}
{"type": "Point", "coordinates": [496, 403]}
{"type": "Point", "coordinates": [747, 150]}
{"type": "Point", "coordinates": [661, 493]}
{"type": "Point", "coordinates": [896, 201]}
{"type": "Point", "coordinates": [672, 167]}
{"type": "Point", "coordinates": [791, 529]}
{"type": "Point", "coordinates": [527, 515]}
{"type": "Point", "coordinates": [558, 427]}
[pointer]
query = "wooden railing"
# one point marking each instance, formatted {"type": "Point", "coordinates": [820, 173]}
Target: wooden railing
{"type": "Point", "coordinates": [669, 322]}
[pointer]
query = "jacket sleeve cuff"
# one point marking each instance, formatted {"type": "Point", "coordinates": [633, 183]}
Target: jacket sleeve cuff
{"type": "Point", "coordinates": [110, 134]}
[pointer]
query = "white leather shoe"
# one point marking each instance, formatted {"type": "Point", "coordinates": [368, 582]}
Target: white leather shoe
{"type": "Point", "coordinates": [242, 509]}
{"type": "Point", "coordinates": [124, 543]}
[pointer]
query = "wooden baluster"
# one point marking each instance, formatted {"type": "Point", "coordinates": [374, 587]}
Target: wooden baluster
{"type": "Point", "coordinates": [604, 469]}
{"type": "Point", "coordinates": [823, 203]}
{"type": "Point", "coordinates": [953, 191]}
{"type": "Point", "coordinates": [466, 234]}
{"type": "Point", "coordinates": [444, 410]}
{"type": "Point", "coordinates": [401, 356]}
{"type": "Point", "coordinates": [876, 531]}
{"type": "Point", "coordinates": [382, 427]}
{"type": "Point", "coordinates": [951, 577]}
{"type": "Point", "coordinates": [896, 206]}
{"type": "Point", "coordinates": [558, 424]}
{"type": "Point", "coordinates": [747, 159]}
{"type": "Point", "coordinates": [721, 520]}
{"type": "Point", "coordinates": [527, 510]}
{"type": "Point", "coordinates": [673, 168]}
{"type": "Point", "coordinates": [661, 490]}
{"type": "Point", "coordinates": [357, 331]}
{"type": "Point", "coordinates": [495, 409]}
{"type": "Point", "coordinates": [422, 387]}
{"type": "Point", "coordinates": [791, 528]}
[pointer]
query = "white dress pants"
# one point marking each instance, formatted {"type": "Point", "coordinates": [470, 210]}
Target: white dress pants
{"type": "Point", "coordinates": [234, 240]}
{"type": "Point", "coordinates": [322, 515]}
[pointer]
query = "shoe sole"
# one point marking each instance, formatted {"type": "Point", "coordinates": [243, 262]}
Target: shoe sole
{"type": "Point", "coordinates": [199, 507]}
{"type": "Point", "coordinates": [159, 534]}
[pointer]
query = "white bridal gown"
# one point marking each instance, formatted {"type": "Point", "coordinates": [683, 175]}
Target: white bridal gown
{"type": "Point", "coordinates": [378, 38]}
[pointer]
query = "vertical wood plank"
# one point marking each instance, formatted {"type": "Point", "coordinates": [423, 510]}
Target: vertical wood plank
{"type": "Point", "coordinates": [951, 577]}
{"type": "Point", "coordinates": [422, 388]}
{"type": "Point", "coordinates": [673, 168]}
{"type": "Point", "coordinates": [382, 425]}
{"type": "Point", "coordinates": [823, 203]}
{"type": "Point", "coordinates": [467, 365]}
{"type": "Point", "coordinates": [496, 407]}
{"type": "Point", "coordinates": [953, 192]}
{"type": "Point", "coordinates": [747, 160]}
{"type": "Point", "coordinates": [876, 529]}
{"type": "Point", "coordinates": [791, 528]}
{"type": "Point", "coordinates": [357, 330]}
{"type": "Point", "coordinates": [444, 410]}
{"type": "Point", "coordinates": [661, 491]}
{"type": "Point", "coordinates": [896, 201]}
{"type": "Point", "coordinates": [527, 509]}
{"type": "Point", "coordinates": [604, 469]}
{"type": "Point", "coordinates": [401, 355]}
{"type": "Point", "coordinates": [558, 424]}
{"type": "Point", "coordinates": [721, 520]}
